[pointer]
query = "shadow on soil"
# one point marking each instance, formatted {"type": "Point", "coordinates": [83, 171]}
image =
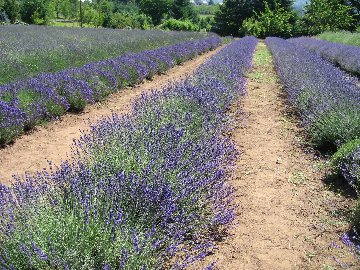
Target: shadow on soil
{"type": "Point", "coordinates": [339, 185]}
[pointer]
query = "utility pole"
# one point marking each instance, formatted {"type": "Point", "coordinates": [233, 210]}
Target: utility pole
{"type": "Point", "coordinates": [81, 14]}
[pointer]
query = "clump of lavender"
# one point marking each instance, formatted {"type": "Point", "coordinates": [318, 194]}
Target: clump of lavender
{"type": "Point", "coordinates": [347, 162]}
{"type": "Point", "coordinates": [141, 190]}
{"type": "Point", "coordinates": [12, 121]}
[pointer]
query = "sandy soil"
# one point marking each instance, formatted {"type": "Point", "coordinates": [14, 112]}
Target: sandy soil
{"type": "Point", "coordinates": [284, 217]}
{"type": "Point", "coordinates": [31, 152]}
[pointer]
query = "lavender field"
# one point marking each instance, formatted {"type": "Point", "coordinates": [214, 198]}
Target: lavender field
{"type": "Point", "coordinates": [26, 51]}
{"type": "Point", "coordinates": [26, 103]}
{"type": "Point", "coordinates": [141, 190]}
{"type": "Point", "coordinates": [151, 187]}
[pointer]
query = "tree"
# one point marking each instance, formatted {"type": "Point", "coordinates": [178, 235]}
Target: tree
{"type": "Point", "coordinates": [211, 3]}
{"type": "Point", "coordinates": [355, 9]}
{"type": "Point", "coordinates": [276, 22]}
{"type": "Point", "coordinates": [328, 15]}
{"type": "Point", "coordinates": [232, 13]}
{"type": "Point", "coordinates": [104, 9]}
{"type": "Point", "coordinates": [182, 9]}
{"type": "Point", "coordinates": [37, 11]}
{"type": "Point", "coordinates": [3, 17]}
{"type": "Point", "coordinates": [11, 8]}
{"type": "Point", "coordinates": [63, 8]}
{"type": "Point", "coordinates": [156, 9]}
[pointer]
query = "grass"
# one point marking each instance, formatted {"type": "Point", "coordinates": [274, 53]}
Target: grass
{"type": "Point", "coordinates": [263, 56]}
{"type": "Point", "coordinates": [341, 37]}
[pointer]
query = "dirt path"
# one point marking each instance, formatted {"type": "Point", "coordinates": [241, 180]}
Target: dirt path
{"type": "Point", "coordinates": [283, 219]}
{"type": "Point", "coordinates": [31, 152]}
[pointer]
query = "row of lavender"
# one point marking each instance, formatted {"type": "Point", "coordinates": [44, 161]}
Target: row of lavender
{"type": "Point", "coordinates": [25, 104]}
{"type": "Point", "coordinates": [142, 191]}
{"type": "Point", "coordinates": [345, 56]}
{"type": "Point", "coordinates": [329, 103]}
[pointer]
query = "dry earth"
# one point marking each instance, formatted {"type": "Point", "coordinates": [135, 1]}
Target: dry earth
{"type": "Point", "coordinates": [287, 217]}
{"type": "Point", "coordinates": [53, 142]}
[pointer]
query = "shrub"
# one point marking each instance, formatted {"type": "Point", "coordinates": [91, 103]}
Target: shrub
{"type": "Point", "coordinates": [179, 25]}
{"type": "Point", "coordinates": [346, 161]}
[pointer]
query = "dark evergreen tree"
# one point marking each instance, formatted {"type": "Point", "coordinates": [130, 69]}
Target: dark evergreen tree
{"type": "Point", "coordinates": [355, 9]}
{"type": "Point", "coordinates": [182, 9]}
{"type": "Point", "coordinates": [12, 9]}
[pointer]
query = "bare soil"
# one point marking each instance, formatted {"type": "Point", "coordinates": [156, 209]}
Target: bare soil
{"type": "Point", "coordinates": [287, 217]}
{"type": "Point", "coordinates": [32, 151]}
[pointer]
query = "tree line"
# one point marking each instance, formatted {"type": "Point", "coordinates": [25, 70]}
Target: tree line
{"type": "Point", "coordinates": [235, 17]}
{"type": "Point", "coordinates": [278, 17]}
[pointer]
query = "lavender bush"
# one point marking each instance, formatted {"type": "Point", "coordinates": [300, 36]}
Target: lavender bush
{"type": "Point", "coordinates": [51, 95]}
{"type": "Point", "coordinates": [347, 162]}
{"type": "Point", "coordinates": [345, 56]}
{"type": "Point", "coordinates": [26, 51]}
{"type": "Point", "coordinates": [142, 191]}
{"type": "Point", "coordinates": [327, 98]}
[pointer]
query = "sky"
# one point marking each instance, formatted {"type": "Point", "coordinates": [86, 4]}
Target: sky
{"type": "Point", "coordinates": [299, 4]}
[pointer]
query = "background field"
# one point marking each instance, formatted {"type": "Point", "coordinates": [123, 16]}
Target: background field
{"type": "Point", "coordinates": [26, 51]}
{"type": "Point", "coordinates": [341, 37]}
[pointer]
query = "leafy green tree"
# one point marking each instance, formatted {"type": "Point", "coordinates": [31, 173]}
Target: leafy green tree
{"type": "Point", "coordinates": [276, 22]}
{"type": "Point", "coordinates": [132, 20]}
{"type": "Point", "coordinates": [12, 9]}
{"type": "Point", "coordinates": [211, 3]}
{"type": "Point", "coordinates": [328, 15]}
{"type": "Point", "coordinates": [232, 13]}
{"type": "Point", "coordinates": [63, 8]}
{"type": "Point", "coordinates": [37, 11]}
{"type": "Point", "coordinates": [182, 9]}
{"type": "Point", "coordinates": [156, 9]}
{"type": "Point", "coordinates": [105, 10]}
{"type": "Point", "coordinates": [205, 24]}
{"type": "Point", "coordinates": [92, 16]}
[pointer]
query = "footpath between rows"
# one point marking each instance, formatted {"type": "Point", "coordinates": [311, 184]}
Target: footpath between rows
{"type": "Point", "coordinates": [287, 217]}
